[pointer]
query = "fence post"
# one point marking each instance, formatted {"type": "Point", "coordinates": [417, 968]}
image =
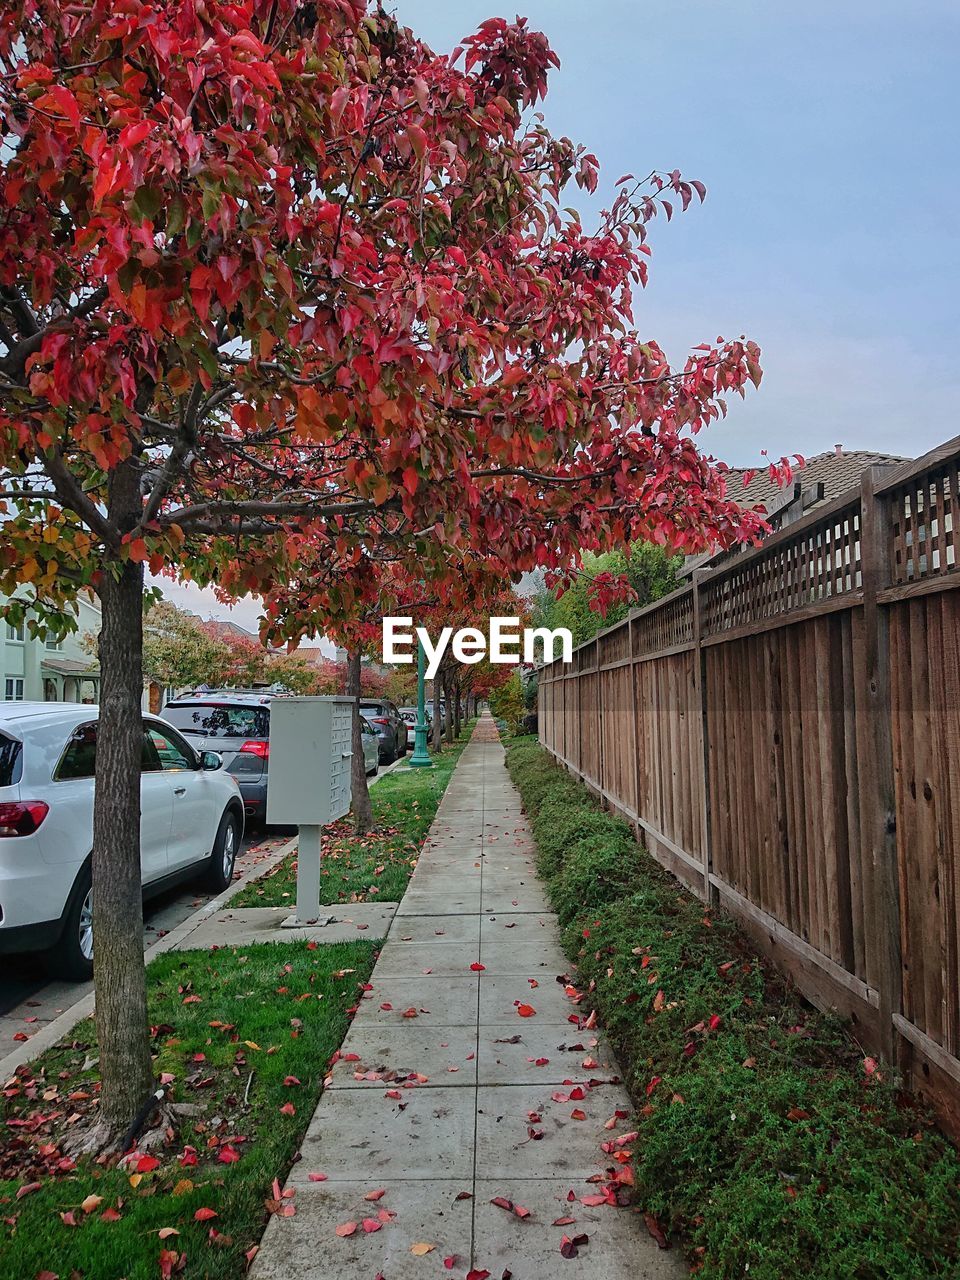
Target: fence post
{"type": "Point", "coordinates": [878, 807]}
{"type": "Point", "coordinates": [700, 684]}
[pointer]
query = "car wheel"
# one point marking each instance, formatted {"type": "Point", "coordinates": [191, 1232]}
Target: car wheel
{"type": "Point", "coordinates": [219, 874]}
{"type": "Point", "coordinates": [72, 956]}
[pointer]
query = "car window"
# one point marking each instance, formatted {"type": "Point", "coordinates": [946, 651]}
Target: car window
{"type": "Point", "coordinates": [219, 720]}
{"type": "Point", "coordinates": [367, 727]}
{"type": "Point", "coordinates": [79, 759]}
{"type": "Point", "coordinates": [174, 754]}
{"type": "Point", "coordinates": [11, 758]}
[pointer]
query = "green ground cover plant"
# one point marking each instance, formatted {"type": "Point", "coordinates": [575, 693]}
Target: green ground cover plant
{"type": "Point", "coordinates": [243, 1034]}
{"type": "Point", "coordinates": [767, 1141]}
{"type": "Point", "coordinates": [376, 865]}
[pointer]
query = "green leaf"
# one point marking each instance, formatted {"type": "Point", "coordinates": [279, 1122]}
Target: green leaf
{"type": "Point", "coordinates": [146, 203]}
{"type": "Point", "coordinates": [211, 200]}
{"type": "Point", "coordinates": [176, 216]}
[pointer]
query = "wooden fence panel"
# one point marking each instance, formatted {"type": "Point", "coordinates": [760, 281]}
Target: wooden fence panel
{"type": "Point", "coordinates": [617, 730]}
{"type": "Point", "coordinates": [925, 658]}
{"type": "Point", "coordinates": [783, 780]}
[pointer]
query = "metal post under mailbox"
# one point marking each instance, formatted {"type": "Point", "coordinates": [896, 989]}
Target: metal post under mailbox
{"type": "Point", "coordinates": [309, 783]}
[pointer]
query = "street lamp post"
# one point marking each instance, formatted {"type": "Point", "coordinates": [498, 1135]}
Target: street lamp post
{"type": "Point", "coordinates": [421, 756]}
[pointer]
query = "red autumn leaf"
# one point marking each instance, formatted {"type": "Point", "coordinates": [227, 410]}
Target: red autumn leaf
{"type": "Point", "coordinates": [346, 1228]}
{"type": "Point", "coordinates": [371, 1224]}
{"type": "Point", "coordinates": [477, 1275]}
{"type": "Point", "coordinates": [577, 1114]}
{"type": "Point", "coordinates": [450, 1262]}
{"type": "Point", "coordinates": [146, 1164]}
{"type": "Point", "coordinates": [110, 1215]}
{"type": "Point", "coordinates": [228, 1155]}
{"type": "Point", "coordinates": [655, 1229]}
{"type": "Point", "coordinates": [204, 1215]}
{"type": "Point", "coordinates": [27, 1189]}
{"type": "Point", "coordinates": [409, 1013]}
{"type": "Point", "coordinates": [477, 967]}
{"type": "Point", "coordinates": [563, 1222]}
{"type": "Point", "coordinates": [290, 1081]}
{"type": "Point", "coordinates": [288, 1109]}
{"type": "Point", "coordinates": [171, 1262]}
{"type": "Point", "coordinates": [317, 1177]}
{"type": "Point", "coordinates": [526, 1010]}
{"type": "Point", "coordinates": [376, 1195]}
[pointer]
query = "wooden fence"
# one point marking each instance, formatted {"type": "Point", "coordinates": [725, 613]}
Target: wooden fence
{"type": "Point", "coordinates": [785, 733]}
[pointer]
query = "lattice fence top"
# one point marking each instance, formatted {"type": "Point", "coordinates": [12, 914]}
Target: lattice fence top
{"type": "Point", "coordinates": [923, 526]}
{"type": "Point", "coordinates": [820, 561]}
{"type": "Point", "coordinates": [814, 562]}
{"type": "Point", "coordinates": [665, 625]}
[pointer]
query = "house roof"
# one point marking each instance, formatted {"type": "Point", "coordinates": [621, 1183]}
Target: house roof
{"type": "Point", "coordinates": [218, 628]}
{"type": "Point", "coordinates": [837, 470]}
{"type": "Point", "coordinates": [822, 478]}
{"type": "Point", "coordinates": [71, 667]}
{"type": "Point", "coordinates": [311, 655]}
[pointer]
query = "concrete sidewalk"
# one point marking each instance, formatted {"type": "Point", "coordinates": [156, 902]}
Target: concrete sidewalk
{"type": "Point", "coordinates": [450, 1093]}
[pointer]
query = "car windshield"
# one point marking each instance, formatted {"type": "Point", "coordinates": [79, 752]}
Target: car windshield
{"type": "Point", "coordinates": [219, 720]}
{"type": "Point", "coordinates": [10, 752]}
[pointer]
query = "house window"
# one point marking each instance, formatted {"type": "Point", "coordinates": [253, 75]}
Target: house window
{"type": "Point", "coordinates": [15, 632]}
{"type": "Point", "coordinates": [53, 644]}
{"type": "Point", "coordinates": [13, 689]}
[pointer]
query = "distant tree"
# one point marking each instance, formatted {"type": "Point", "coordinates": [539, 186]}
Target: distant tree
{"type": "Point", "coordinates": [606, 588]}
{"type": "Point", "coordinates": [506, 703]}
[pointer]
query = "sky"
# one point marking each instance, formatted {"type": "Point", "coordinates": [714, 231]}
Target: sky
{"type": "Point", "coordinates": [826, 134]}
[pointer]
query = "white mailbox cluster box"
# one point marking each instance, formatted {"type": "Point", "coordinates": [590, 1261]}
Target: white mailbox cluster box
{"type": "Point", "coordinates": [309, 760]}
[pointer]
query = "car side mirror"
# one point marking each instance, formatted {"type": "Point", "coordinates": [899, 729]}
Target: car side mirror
{"type": "Point", "coordinates": [211, 760]}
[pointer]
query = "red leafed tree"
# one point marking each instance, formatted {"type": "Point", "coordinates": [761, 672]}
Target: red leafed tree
{"type": "Point", "coordinates": [277, 281]}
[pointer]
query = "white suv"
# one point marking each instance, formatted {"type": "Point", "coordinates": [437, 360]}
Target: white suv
{"type": "Point", "coordinates": [191, 822]}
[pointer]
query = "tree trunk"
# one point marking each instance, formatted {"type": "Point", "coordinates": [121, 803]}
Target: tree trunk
{"type": "Point", "coordinates": [448, 694]}
{"type": "Point", "coordinates": [126, 1069]}
{"type": "Point", "coordinates": [435, 728]}
{"type": "Point", "coordinates": [456, 709]}
{"type": "Point", "coordinates": [359, 791]}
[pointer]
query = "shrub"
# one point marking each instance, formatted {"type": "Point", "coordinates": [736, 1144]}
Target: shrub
{"type": "Point", "coordinates": [598, 869]}
{"type": "Point", "coordinates": [560, 823]}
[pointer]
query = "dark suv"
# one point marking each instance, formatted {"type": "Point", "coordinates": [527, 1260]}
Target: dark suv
{"type": "Point", "coordinates": [390, 727]}
{"type": "Point", "coordinates": [237, 726]}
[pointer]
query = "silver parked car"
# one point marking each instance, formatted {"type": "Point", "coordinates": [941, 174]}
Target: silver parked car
{"type": "Point", "coordinates": [371, 747]}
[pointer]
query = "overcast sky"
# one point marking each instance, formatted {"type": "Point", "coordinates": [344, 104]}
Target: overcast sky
{"type": "Point", "coordinates": [826, 134]}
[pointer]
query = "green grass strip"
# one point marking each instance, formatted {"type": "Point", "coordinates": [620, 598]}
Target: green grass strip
{"type": "Point", "coordinates": [766, 1139]}
{"type": "Point", "coordinates": [279, 1011]}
